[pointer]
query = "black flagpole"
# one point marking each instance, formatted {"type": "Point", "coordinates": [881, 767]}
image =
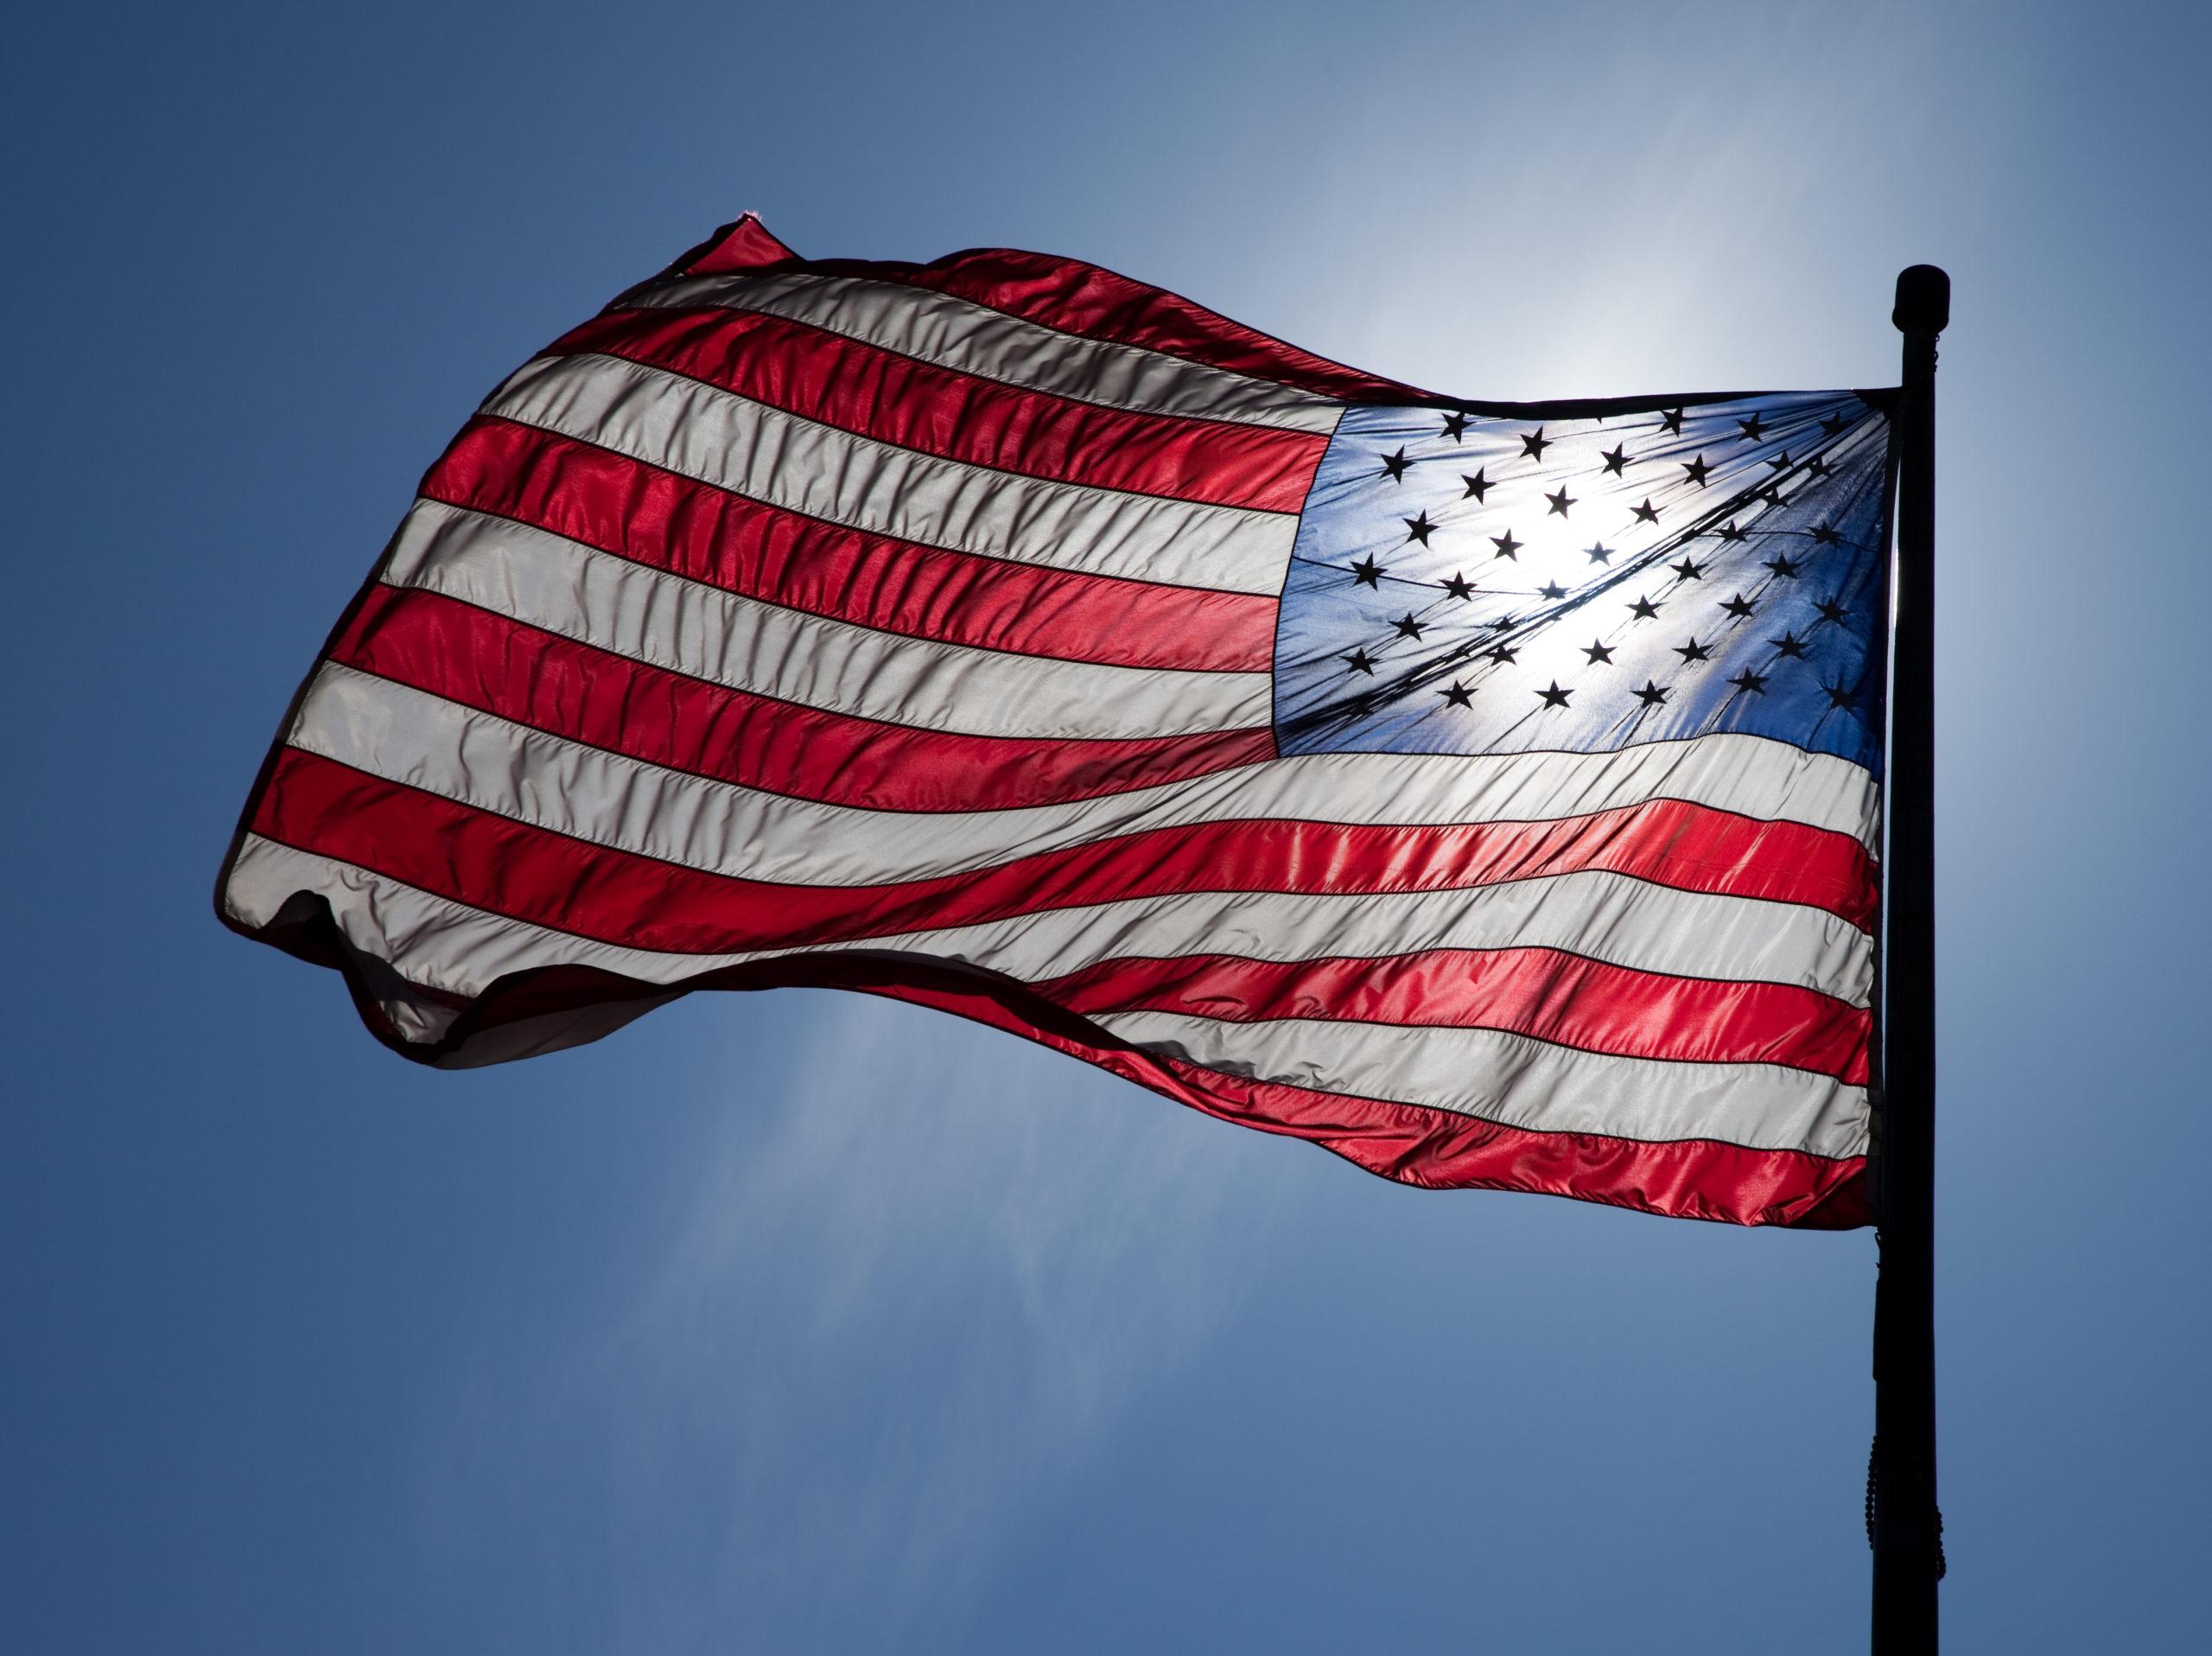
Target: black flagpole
{"type": "Point", "coordinates": [1903, 1525]}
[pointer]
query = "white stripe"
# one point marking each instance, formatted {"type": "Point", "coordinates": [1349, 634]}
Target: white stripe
{"type": "Point", "coordinates": [409, 735]}
{"type": "Point", "coordinates": [1522, 1081]}
{"type": "Point", "coordinates": [464, 950]}
{"type": "Point", "coordinates": [974, 338]}
{"type": "Point", "coordinates": [550, 1032]}
{"type": "Point", "coordinates": [385, 924]}
{"type": "Point", "coordinates": [1608, 917]}
{"type": "Point", "coordinates": [734, 443]}
{"type": "Point", "coordinates": [653, 616]}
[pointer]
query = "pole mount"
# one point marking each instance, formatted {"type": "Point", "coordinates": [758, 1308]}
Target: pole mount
{"type": "Point", "coordinates": [1923, 303]}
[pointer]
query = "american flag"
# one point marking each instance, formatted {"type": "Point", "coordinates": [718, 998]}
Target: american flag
{"type": "Point", "coordinates": [1488, 792]}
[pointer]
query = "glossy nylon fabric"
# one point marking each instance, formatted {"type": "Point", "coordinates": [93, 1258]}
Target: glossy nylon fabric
{"type": "Point", "coordinates": [1009, 636]}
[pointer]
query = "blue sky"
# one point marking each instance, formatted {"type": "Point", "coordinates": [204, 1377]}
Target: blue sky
{"type": "Point", "coordinates": [804, 1322]}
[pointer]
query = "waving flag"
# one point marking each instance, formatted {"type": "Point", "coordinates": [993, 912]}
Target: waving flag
{"type": "Point", "coordinates": [1486, 792]}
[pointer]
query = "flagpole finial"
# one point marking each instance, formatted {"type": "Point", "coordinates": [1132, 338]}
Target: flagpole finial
{"type": "Point", "coordinates": [1923, 303]}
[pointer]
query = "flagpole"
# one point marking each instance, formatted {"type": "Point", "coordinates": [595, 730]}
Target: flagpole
{"type": "Point", "coordinates": [1904, 1526]}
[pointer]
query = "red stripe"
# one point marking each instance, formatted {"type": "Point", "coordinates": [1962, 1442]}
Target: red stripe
{"type": "Point", "coordinates": [655, 517]}
{"type": "Point", "coordinates": [744, 246]}
{"type": "Point", "coordinates": [485, 660]}
{"type": "Point", "coordinates": [1442, 1149]}
{"type": "Point", "coordinates": [933, 410]}
{"type": "Point", "coordinates": [1412, 1143]}
{"type": "Point", "coordinates": [532, 873]}
{"type": "Point", "coordinates": [1562, 999]}
{"type": "Point", "coordinates": [1089, 302]}
{"type": "Point", "coordinates": [1098, 303]}
{"type": "Point", "coordinates": [1076, 298]}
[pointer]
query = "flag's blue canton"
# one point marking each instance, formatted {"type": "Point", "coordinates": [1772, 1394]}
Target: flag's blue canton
{"type": "Point", "coordinates": [1464, 584]}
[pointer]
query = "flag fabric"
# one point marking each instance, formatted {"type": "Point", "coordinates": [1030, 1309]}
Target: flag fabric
{"type": "Point", "coordinates": [1488, 793]}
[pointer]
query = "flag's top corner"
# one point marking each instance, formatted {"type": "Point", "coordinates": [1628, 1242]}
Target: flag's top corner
{"type": "Point", "coordinates": [743, 246]}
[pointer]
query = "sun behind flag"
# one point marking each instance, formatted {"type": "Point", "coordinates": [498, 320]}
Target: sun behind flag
{"type": "Point", "coordinates": [1488, 793]}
